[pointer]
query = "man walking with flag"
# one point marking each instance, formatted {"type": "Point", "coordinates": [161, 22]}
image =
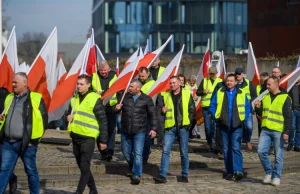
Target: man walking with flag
{"type": "Point", "coordinates": [101, 82]}
{"type": "Point", "coordinates": [276, 112]}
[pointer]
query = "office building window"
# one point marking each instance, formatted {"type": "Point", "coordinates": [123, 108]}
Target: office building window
{"type": "Point", "coordinates": [116, 13]}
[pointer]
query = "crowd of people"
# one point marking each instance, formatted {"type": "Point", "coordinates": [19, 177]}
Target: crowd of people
{"type": "Point", "coordinates": [171, 116]}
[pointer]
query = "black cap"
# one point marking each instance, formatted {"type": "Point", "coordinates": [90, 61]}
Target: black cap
{"type": "Point", "coordinates": [239, 70]}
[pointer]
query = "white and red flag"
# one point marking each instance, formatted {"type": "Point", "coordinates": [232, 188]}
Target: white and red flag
{"type": "Point", "coordinates": [41, 75]}
{"type": "Point", "coordinates": [252, 70]}
{"type": "Point", "coordinates": [298, 64]}
{"type": "Point", "coordinates": [147, 48]}
{"type": "Point", "coordinates": [162, 84]}
{"type": "Point", "coordinates": [61, 72]}
{"type": "Point", "coordinates": [22, 68]}
{"type": "Point", "coordinates": [132, 58]}
{"type": "Point", "coordinates": [288, 81]}
{"type": "Point", "coordinates": [65, 90]}
{"type": "Point", "coordinates": [278, 64]}
{"type": "Point", "coordinates": [203, 71]}
{"type": "Point", "coordinates": [221, 67]}
{"type": "Point", "coordinates": [9, 62]}
{"type": "Point", "coordinates": [117, 67]}
{"type": "Point", "coordinates": [91, 65]}
{"type": "Point", "coordinates": [99, 55]}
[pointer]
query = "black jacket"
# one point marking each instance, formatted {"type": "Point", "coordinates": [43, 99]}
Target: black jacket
{"type": "Point", "coordinates": [294, 93]}
{"type": "Point", "coordinates": [27, 122]}
{"type": "Point", "coordinates": [3, 93]}
{"type": "Point", "coordinates": [99, 112]}
{"type": "Point", "coordinates": [191, 109]}
{"type": "Point", "coordinates": [134, 114]}
{"type": "Point", "coordinates": [252, 88]}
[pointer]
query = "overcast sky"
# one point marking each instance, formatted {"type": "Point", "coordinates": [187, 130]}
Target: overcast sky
{"type": "Point", "coordinates": [71, 17]}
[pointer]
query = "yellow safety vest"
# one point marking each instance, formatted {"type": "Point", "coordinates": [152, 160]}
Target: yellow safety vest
{"type": "Point", "coordinates": [246, 89]}
{"type": "Point", "coordinates": [96, 85]}
{"type": "Point", "coordinates": [170, 114]}
{"type": "Point", "coordinates": [84, 120]}
{"type": "Point", "coordinates": [258, 88]}
{"type": "Point", "coordinates": [205, 100]}
{"type": "Point", "coordinates": [147, 86]}
{"type": "Point", "coordinates": [160, 71]}
{"type": "Point", "coordinates": [240, 102]}
{"type": "Point", "coordinates": [272, 116]}
{"type": "Point", "coordinates": [37, 119]}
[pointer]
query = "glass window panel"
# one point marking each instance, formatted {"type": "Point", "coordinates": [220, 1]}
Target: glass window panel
{"type": "Point", "coordinates": [238, 13]}
{"type": "Point", "coordinates": [139, 12]}
{"type": "Point", "coordinates": [116, 13]}
{"type": "Point", "coordinates": [245, 13]}
{"type": "Point", "coordinates": [230, 13]}
{"type": "Point", "coordinates": [196, 42]}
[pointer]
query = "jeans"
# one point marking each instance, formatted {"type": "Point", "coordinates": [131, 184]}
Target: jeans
{"type": "Point", "coordinates": [233, 157]}
{"type": "Point", "coordinates": [111, 129]}
{"type": "Point", "coordinates": [119, 125]}
{"type": "Point", "coordinates": [10, 154]}
{"type": "Point", "coordinates": [248, 128]}
{"type": "Point", "coordinates": [266, 138]}
{"type": "Point", "coordinates": [169, 138]}
{"type": "Point", "coordinates": [294, 139]}
{"type": "Point", "coordinates": [13, 176]}
{"type": "Point", "coordinates": [83, 149]}
{"type": "Point", "coordinates": [209, 125]}
{"type": "Point", "coordinates": [132, 148]}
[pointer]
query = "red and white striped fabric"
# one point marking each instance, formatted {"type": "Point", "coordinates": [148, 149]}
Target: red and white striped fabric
{"type": "Point", "coordinates": [252, 70]}
{"type": "Point", "coordinates": [65, 90]}
{"type": "Point", "coordinates": [41, 75]}
{"type": "Point", "coordinates": [221, 67]}
{"type": "Point", "coordinates": [100, 56]}
{"type": "Point", "coordinates": [61, 72]}
{"type": "Point", "coordinates": [92, 57]}
{"type": "Point", "coordinates": [203, 71]}
{"type": "Point", "coordinates": [147, 48]}
{"type": "Point", "coordinates": [288, 81]}
{"type": "Point", "coordinates": [9, 62]}
{"type": "Point", "coordinates": [131, 58]}
{"type": "Point", "coordinates": [117, 67]}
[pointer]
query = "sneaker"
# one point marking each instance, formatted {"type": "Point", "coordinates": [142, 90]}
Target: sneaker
{"type": "Point", "coordinates": [160, 179]}
{"type": "Point", "coordinates": [229, 177]}
{"type": "Point", "coordinates": [135, 180]}
{"type": "Point", "coordinates": [289, 148]}
{"type": "Point", "coordinates": [184, 179]}
{"type": "Point", "coordinates": [276, 182]}
{"type": "Point", "coordinates": [267, 179]}
{"type": "Point", "coordinates": [13, 184]}
{"type": "Point", "coordinates": [238, 176]}
{"type": "Point", "coordinates": [297, 149]}
{"type": "Point", "coordinates": [129, 174]}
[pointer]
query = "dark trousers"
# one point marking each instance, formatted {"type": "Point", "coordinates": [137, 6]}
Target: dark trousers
{"type": "Point", "coordinates": [83, 149]}
{"type": "Point", "coordinates": [111, 129]}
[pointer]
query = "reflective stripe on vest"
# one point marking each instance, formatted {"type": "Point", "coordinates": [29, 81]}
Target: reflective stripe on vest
{"type": "Point", "coordinates": [240, 101]}
{"type": "Point", "coordinates": [272, 116]}
{"type": "Point", "coordinates": [84, 120]}
{"type": "Point", "coordinates": [205, 100]}
{"type": "Point", "coordinates": [169, 119]}
{"type": "Point", "coordinates": [37, 119]}
{"type": "Point", "coordinates": [147, 86]}
{"type": "Point", "coordinates": [96, 85]}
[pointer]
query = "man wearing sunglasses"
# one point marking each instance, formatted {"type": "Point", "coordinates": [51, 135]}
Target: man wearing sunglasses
{"type": "Point", "coordinates": [250, 90]}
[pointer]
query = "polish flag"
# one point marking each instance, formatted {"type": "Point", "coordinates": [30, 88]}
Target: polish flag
{"type": "Point", "coordinates": [203, 71]}
{"type": "Point", "coordinates": [117, 67]}
{"type": "Point", "coordinates": [278, 64]}
{"type": "Point", "coordinates": [141, 53]}
{"type": "Point", "coordinates": [147, 48]}
{"type": "Point", "coordinates": [252, 70]}
{"type": "Point", "coordinates": [131, 58]}
{"type": "Point", "coordinates": [298, 64]}
{"type": "Point", "coordinates": [91, 66]}
{"type": "Point", "coordinates": [100, 56]}
{"type": "Point", "coordinates": [122, 81]}
{"type": "Point", "coordinates": [9, 62]}
{"type": "Point", "coordinates": [22, 68]}
{"type": "Point", "coordinates": [162, 84]}
{"type": "Point", "coordinates": [65, 90]}
{"type": "Point", "coordinates": [61, 72]}
{"type": "Point", "coordinates": [288, 81]}
{"type": "Point", "coordinates": [41, 75]}
{"type": "Point", "coordinates": [221, 67]}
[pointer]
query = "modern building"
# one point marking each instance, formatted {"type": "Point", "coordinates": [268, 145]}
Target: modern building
{"type": "Point", "coordinates": [122, 26]}
{"type": "Point", "coordinates": [274, 27]}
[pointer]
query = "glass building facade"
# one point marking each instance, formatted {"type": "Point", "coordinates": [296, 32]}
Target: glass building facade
{"type": "Point", "coordinates": [122, 26]}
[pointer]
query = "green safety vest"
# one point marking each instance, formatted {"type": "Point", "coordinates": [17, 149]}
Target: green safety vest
{"type": "Point", "coordinates": [205, 100]}
{"type": "Point", "coordinates": [246, 89]}
{"type": "Point", "coordinates": [96, 85]}
{"type": "Point", "coordinates": [147, 86]}
{"type": "Point", "coordinates": [170, 114]}
{"type": "Point", "coordinates": [272, 116]}
{"type": "Point", "coordinates": [84, 120]}
{"type": "Point", "coordinates": [37, 119]}
{"type": "Point", "coordinates": [240, 102]}
{"type": "Point", "coordinates": [258, 88]}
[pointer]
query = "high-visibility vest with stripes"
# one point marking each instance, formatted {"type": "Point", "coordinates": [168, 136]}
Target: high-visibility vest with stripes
{"type": "Point", "coordinates": [96, 85]}
{"type": "Point", "coordinates": [170, 114]}
{"type": "Point", "coordinates": [84, 120]}
{"type": "Point", "coordinates": [258, 88]}
{"type": "Point", "coordinates": [272, 116]}
{"type": "Point", "coordinates": [246, 89]}
{"type": "Point", "coordinates": [147, 86]}
{"type": "Point", "coordinates": [240, 102]}
{"type": "Point", "coordinates": [37, 119]}
{"type": "Point", "coordinates": [205, 100]}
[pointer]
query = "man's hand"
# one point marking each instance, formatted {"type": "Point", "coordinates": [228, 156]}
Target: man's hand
{"type": "Point", "coordinates": [152, 133]}
{"type": "Point", "coordinates": [257, 104]}
{"type": "Point", "coordinates": [99, 92]}
{"type": "Point", "coordinates": [164, 109]}
{"type": "Point", "coordinates": [70, 118]}
{"type": "Point", "coordinates": [206, 91]}
{"type": "Point", "coordinates": [285, 137]}
{"type": "Point", "coordinates": [195, 98]}
{"type": "Point", "coordinates": [2, 116]}
{"type": "Point", "coordinates": [102, 146]}
{"type": "Point", "coordinates": [119, 106]}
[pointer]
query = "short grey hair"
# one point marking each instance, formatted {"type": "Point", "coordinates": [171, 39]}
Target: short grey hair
{"type": "Point", "coordinates": [23, 75]}
{"type": "Point", "coordinates": [137, 82]}
{"type": "Point", "coordinates": [102, 64]}
{"type": "Point", "coordinates": [192, 78]}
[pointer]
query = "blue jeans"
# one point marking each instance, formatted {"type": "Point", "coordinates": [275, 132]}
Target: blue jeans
{"type": "Point", "coordinates": [132, 148]}
{"type": "Point", "coordinates": [111, 129]}
{"type": "Point", "coordinates": [233, 157]}
{"type": "Point", "coordinates": [13, 176]}
{"type": "Point", "coordinates": [248, 128]}
{"type": "Point", "coordinates": [209, 125]}
{"type": "Point", "coordinates": [10, 154]}
{"type": "Point", "coordinates": [169, 138]}
{"type": "Point", "coordinates": [294, 139]}
{"type": "Point", "coordinates": [119, 125]}
{"type": "Point", "coordinates": [266, 138]}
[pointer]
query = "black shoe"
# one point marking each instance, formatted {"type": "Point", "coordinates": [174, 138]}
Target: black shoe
{"type": "Point", "coordinates": [297, 149]}
{"type": "Point", "coordinates": [94, 191]}
{"type": "Point", "coordinates": [129, 174]}
{"type": "Point", "coordinates": [145, 161]}
{"type": "Point", "coordinates": [77, 192]}
{"type": "Point", "coordinates": [238, 176]}
{"type": "Point", "coordinates": [229, 177]}
{"type": "Point", "coordinates": [135, 180]}
{"type": "Point", "coordinates": [198, 137]}
{"type": "Point", "coordinates": [103, 158]}
{"type": "Point", "coordinates": [289, 148]}
{"type": "Point", "coordinates": [108, 158]}
{"type": "Point", "coordinates": [160, 179]}
{"type": "Point", "coordinates": [13, 184]}
{"type": "Point", "coordinates": [184, 179]}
